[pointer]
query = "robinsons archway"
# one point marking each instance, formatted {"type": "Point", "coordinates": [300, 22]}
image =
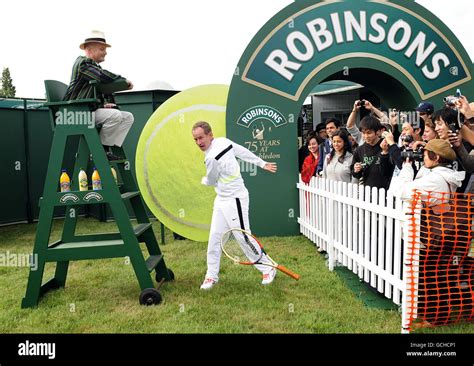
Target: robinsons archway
{"type": "Point", "coordinates": [398, 49]}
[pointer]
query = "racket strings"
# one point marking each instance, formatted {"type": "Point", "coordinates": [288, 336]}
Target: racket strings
{"type": "Point", "coordinates": [241, 247]}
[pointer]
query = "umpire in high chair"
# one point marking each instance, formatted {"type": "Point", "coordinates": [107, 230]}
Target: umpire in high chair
{"type": "Point", "coordinates": [114, 124]}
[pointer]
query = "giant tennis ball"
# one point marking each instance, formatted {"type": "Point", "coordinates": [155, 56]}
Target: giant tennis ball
{"type": "Point", "coordinates": [169, 165]}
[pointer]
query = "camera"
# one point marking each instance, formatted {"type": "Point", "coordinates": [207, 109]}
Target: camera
{"type": "Point", "coordinates": [408, 139]}
{"type": "Point", "coordinates": [413, 155]}
{"type": "Point", "coordinates": [451, 100]}
{"type": "Point", "coordinates": [363, 166]}
{"type": "Point", "coordinates": [455, 127]}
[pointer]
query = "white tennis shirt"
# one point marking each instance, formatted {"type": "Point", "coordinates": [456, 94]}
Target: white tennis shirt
{"type": "Point", "coordinates": [223, 169]}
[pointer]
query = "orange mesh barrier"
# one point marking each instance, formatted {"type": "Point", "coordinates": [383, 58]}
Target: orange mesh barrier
{"type": "Point", "coordinates": [440, 260]}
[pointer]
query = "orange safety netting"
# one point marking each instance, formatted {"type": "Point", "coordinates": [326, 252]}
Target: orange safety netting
{"type": "Point", "coordinates": [440, 260]}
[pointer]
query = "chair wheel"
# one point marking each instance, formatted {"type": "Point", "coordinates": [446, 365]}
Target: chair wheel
{"type": "Point", "coordinates": [150, 296]}
{"type": "Point", "coordinates": [158, 278]}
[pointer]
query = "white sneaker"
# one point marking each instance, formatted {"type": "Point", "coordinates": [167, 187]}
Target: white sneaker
{"type": "Point", "coordinates": [269, 277]}
{"type": "Point", "coordinates": [208, 283]}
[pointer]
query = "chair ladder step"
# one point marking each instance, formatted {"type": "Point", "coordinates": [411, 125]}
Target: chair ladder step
{"type": "Point", "coordinates": [141, 228]}
{"type": "Point", "coordinates": [121, 161]}
{"type": "Point", "coordinates": [128, 195]}
{"type": "Point", "coordinates": [85, 250]}
{"type": "Point", "coordinates": [153, 261]}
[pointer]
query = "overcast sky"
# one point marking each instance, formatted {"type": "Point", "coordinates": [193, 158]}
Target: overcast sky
{"type": "Point", "coordinates": [182, 42]}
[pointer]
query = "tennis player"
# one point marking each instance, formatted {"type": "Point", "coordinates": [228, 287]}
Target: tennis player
{"type": "Point", "coordinates": [231, 205]}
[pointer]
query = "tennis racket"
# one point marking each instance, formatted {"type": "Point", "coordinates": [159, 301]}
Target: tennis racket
{"type": "Point", "coordinates": [244, 248]}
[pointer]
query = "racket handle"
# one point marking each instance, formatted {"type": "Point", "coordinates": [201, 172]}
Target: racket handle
{"type": "Point", "coordinates": [288, 272]}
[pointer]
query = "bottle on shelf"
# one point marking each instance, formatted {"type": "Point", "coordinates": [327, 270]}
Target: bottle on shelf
{"type": "Point", "coordinates": [82, 180]}
{"type": "Point", "coordinates": [96, 182]}
{"type": "Point", "coordinates": [64, 181]}
{"type": "Point", "coordinates": [114, 173]}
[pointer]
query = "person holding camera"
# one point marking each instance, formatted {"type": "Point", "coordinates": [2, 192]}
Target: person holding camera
{"type": "Point", "coordinates": [417, 147]}
{"type": "Point", "coordinates": [411, 132]}
{"type": "Point", "coordinates": [467, 160]}
{"type": "Point", "coordinates": [399, 154]}
{"type": "Point", "coordinates": [351, 121]}
{"type": "Point", "coordinates": [408, 145]}
{"type": "Point", "coordinates": [447, 122]}
{"type": "Point", "coordinates": [436, 176]}
{"type": "Point", "coordinates": [428, 135]}
{"type": "Point", "coordinates": [371, 163]}
{"type": "Point", "coordinates": [432, 182]}
{"type": "Point", "coordinates": [467, 110]}
{"type": "Point", "coordinates": [465, 136]}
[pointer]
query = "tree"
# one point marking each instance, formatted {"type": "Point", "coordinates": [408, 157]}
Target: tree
{"type": "Point", "coordinates": [8, 90]}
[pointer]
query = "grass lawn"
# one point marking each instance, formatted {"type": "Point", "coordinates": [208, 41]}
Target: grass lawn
{"type": "Point", "coordinates": [101, 296]}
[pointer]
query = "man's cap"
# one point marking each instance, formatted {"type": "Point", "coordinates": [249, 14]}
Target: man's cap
{"type": "Point", "coordinates": [94, 37]}
{"type": "Point", "coordinates": [442, 148]}
{"type": "Point", "coordinates": [425, 107]}
{"type": "Point", "coordinates": [320, 126]}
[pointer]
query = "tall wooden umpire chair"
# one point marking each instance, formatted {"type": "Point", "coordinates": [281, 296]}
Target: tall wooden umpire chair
{"type": "Point", "coordinates": [124, 243]}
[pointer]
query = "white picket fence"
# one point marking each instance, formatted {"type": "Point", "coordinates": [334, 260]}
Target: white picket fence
{"type": "Point", "coordinates": [361, 229]}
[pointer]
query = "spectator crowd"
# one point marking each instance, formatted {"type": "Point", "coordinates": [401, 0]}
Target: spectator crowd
{"type": "Point", "coordinates": [424, 150]}
{"type": "Point", "coordinates": [432, 151]}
